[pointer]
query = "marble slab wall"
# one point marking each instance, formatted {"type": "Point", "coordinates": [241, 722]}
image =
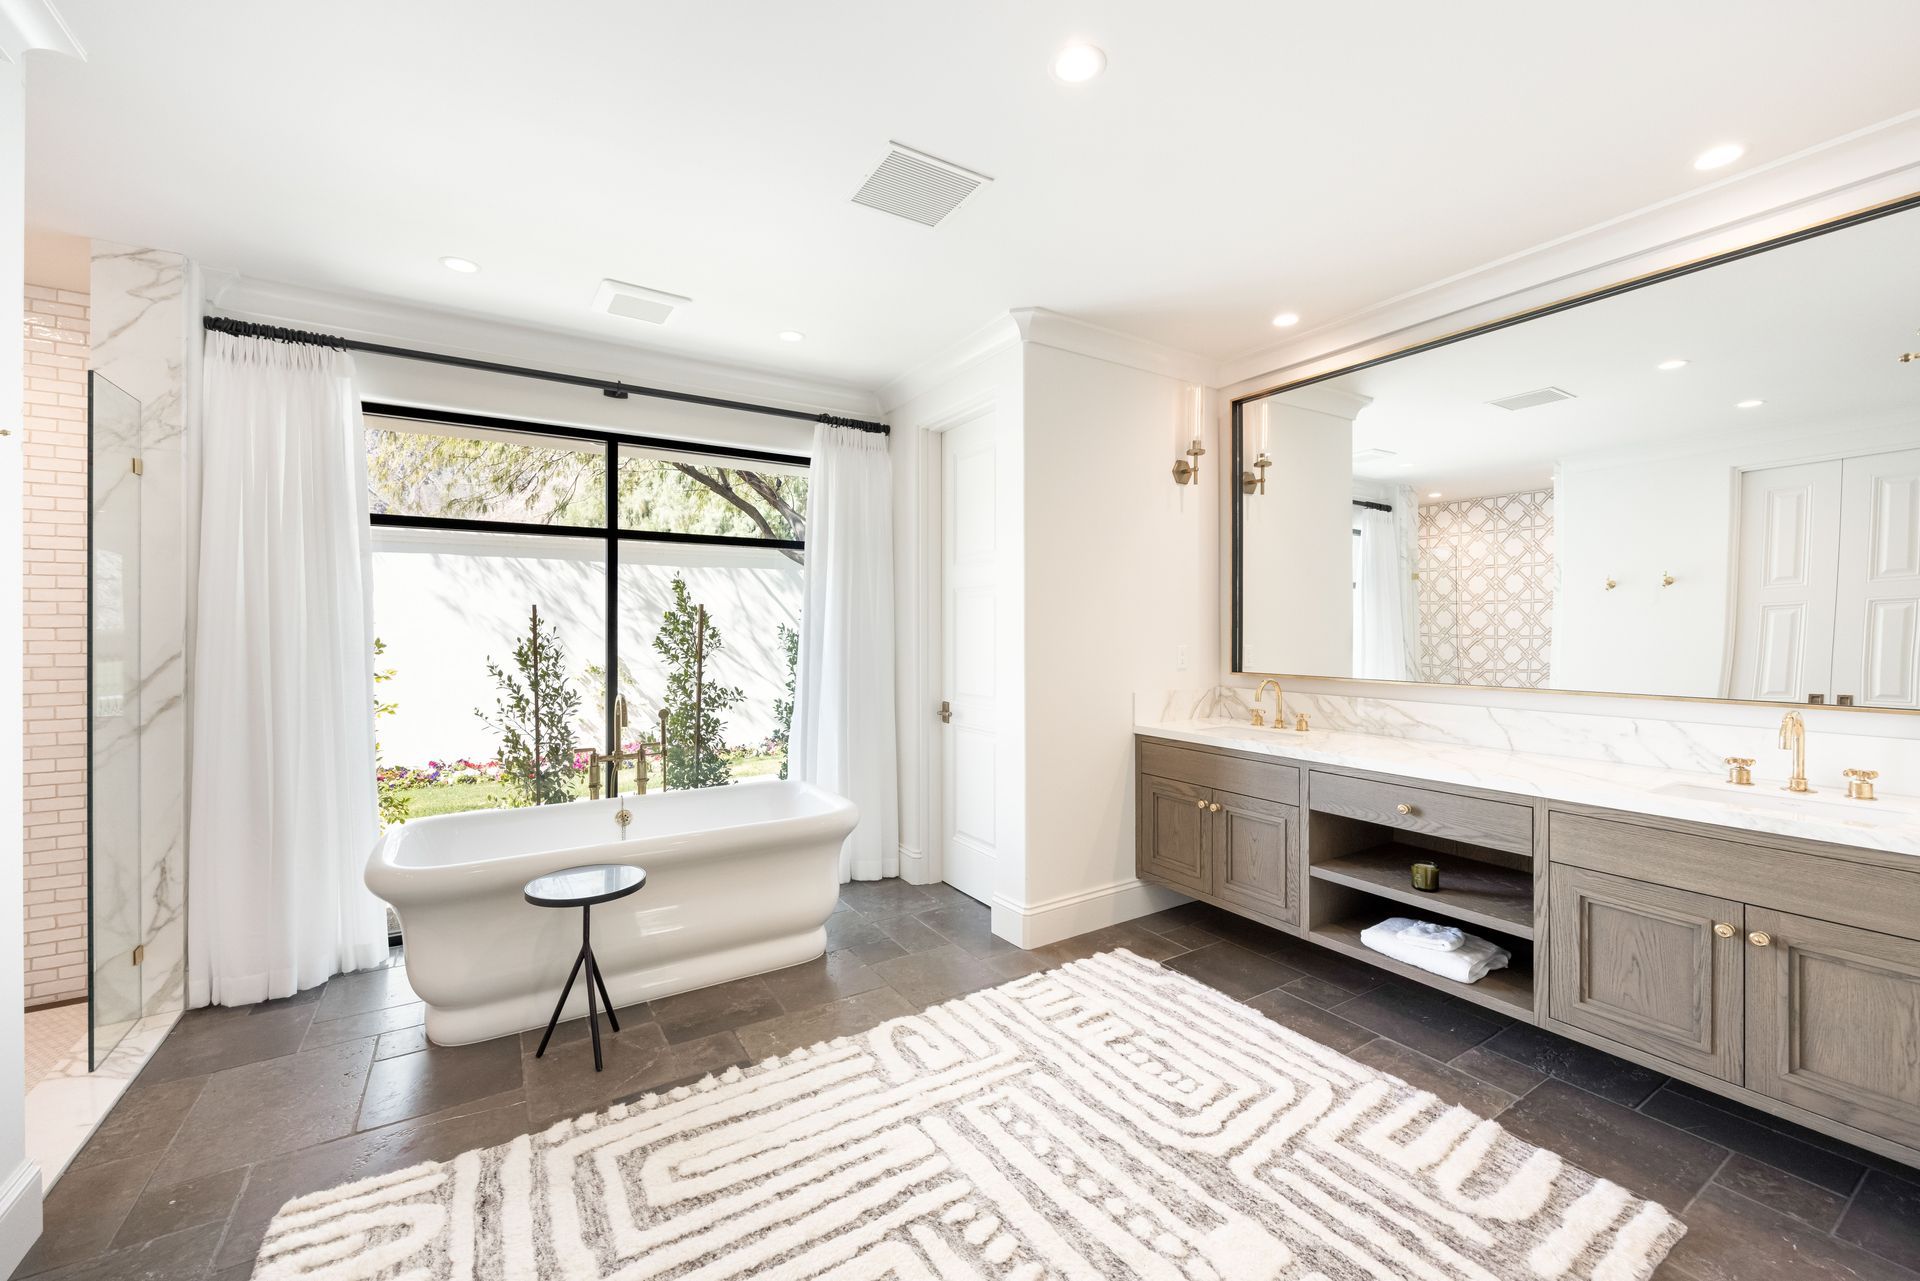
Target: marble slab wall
{"type": "Point", "coordinates": [140, 331]}
{"type": "Point", "coordinates": [1837, 741]}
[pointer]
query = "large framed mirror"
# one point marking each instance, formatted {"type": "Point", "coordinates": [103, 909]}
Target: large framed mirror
{"type": "Point", "coordinates": [1703, 484]}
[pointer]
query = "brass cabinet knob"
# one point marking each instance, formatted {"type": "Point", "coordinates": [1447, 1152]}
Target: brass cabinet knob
{"type": "Point", "coordinates": [1214, 808]}
{"type": "Point", "coordinates": [1201, 804]}
{"type": "Point", "coordinates": [1403, 808]}
{"type": "Point", "coordinates": [1760, 938]}
{"type": "Point", "coordinates": [1724, 930]}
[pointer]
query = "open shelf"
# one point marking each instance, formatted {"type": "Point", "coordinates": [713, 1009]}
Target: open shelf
{"type": "Point", "coordinates": [1499, 898]}
{"type": "Point", "coordinates": [1510, 991]}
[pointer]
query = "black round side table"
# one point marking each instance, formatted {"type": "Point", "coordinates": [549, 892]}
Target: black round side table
{"type": "Point", "coordinates": [582, 887]}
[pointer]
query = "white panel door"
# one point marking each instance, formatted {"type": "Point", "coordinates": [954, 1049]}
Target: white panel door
{"type": "Point", "coordinates": [1789, 539]}
{"type": "Point", "coordinates": [971, 685]}
{"type": "Point", "coordinates": [1876, 639]}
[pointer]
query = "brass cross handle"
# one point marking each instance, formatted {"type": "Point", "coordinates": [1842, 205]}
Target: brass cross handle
{"type": "Point", "coordinates": [1860, 783]}
{"type": "Point", "coordinates": [1740, 770]}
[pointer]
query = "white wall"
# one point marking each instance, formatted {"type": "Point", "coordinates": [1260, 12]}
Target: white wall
{"type": "Point", "coordinates": [19, 1177]}
{"type": "Point", "coordinates": [1632, 516]}
{"type": "Point", "coordinates": [1121, 567]}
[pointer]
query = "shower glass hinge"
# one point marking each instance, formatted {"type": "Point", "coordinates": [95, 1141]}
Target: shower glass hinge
{"type": "Point", "coordinates": [139, 954]}
{"type": "Point", "coordinates": [139, 468]}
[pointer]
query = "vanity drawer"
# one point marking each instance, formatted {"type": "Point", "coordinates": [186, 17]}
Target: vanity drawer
{"type": "Point", "coordinates": [1496, 825]}
{"type": "Point", "coordinates": [1809, 884]}
{"type": "Point", "coordinates": [1266, 780]}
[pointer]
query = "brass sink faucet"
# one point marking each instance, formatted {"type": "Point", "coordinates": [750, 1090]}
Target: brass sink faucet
{"type": "Point", "coordinates": [1258, 718]}
{"type": "Point", "coordinates": [1793, 738]}
{"type": "Point", "coordinates": [617, 758]}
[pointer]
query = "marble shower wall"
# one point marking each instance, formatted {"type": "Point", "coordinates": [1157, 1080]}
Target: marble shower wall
{"type": "Point", "coordinates": [140, 331]}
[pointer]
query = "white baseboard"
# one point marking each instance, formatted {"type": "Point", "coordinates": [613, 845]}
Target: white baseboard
{"type": "Point", "coordinates": [19, 1215]}
{"type": "Point", "coordinates": [1032, 925]}
{"type": "Point", "coordinates": [915, 867]}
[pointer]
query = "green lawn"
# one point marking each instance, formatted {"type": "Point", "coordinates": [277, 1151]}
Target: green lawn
{"type": "Point", "coordinates": [459, 798]}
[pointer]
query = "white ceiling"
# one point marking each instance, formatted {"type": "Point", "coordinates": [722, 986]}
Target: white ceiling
{"type": "Point", "coordinates": [1815, 330]}
{"type": "Point", "coordinates": [1237, 159]}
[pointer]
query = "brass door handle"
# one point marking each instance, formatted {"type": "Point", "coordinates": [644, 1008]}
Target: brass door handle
{"type": "Point", "coordinates": [1214, 808]}
{"type": "Point", "coordinates": [1760, 938]}
{"type": "Point", "coordinates": [1724, 930]}
{"type": "Point", "coordinates": [946, 713]}
{"type": "Point", "coordinates": [1403, 808]}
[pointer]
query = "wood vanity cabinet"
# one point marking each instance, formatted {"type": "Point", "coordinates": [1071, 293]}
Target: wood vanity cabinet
{"type": "Point", "coordinates": [1221, 845]}
{"type": "Point", "coordinates": [1649, 966]}
{"type": "Point", "coordinates": [1779, 972]}
{"type": "Point", "coordinates": [1833, 1022]}
{"type": "Point", "coordinates": [1821, 1015]}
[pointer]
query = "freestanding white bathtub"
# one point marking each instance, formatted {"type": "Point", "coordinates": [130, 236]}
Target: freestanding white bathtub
{"type": "Point", "coordinates": [740, 880]}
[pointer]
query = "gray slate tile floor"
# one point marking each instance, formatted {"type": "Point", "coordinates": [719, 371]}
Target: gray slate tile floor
{"type": "Point", "coordinates": [241, 1110]}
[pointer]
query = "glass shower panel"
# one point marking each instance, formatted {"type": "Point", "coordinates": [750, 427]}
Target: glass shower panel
{"type": "Point", "coordinates": [114, 953]}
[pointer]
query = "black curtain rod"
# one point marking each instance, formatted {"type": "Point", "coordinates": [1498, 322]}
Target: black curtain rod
{"type": "Point", "coordinates": [1372, 506]}
{"type": "Point", "coordinates": [613, 389]}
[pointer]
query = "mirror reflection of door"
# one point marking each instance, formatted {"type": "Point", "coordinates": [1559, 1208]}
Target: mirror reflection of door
{"type": "Point", "coordinates": [1704, 486]}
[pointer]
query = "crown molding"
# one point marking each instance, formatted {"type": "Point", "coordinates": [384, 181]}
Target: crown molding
{"type": "Point", "coordinates": [1858, 170]}
{"type": "Point", "coordinates": [375, 319]}
{"type": "Point", "coordinates": [29, 25]}
{"type": "Point", "coordinates": [1046, 328]}
{"type": "Point", "coordinates": [982, 344]}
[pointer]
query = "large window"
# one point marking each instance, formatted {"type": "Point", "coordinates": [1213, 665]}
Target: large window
{"type": "Point", "coordinates": [499, 620]}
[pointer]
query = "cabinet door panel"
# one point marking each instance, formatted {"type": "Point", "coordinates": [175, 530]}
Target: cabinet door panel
{"type": "Point", "coordinates": [1833, 1022]}
{"type": "Point", "coordinates": [1256, 861]}
{"type": "Point", "coordinates": [1643, 964]}
{"type": "Point", "coordinates": [1174, 833]}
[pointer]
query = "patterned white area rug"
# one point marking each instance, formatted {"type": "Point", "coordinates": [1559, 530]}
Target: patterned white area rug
{"type": "Point", "coordinates": [1111, 1119]}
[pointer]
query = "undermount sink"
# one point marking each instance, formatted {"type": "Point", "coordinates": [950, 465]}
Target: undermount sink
{"type": "Point", "coordinates": [1888, 809]}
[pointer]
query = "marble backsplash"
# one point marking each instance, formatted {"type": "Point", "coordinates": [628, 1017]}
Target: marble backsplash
{"type": "Point", "coordinates": [1692, 746]}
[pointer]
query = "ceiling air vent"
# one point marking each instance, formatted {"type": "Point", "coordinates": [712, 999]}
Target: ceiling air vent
{"type": "Point", "coordinates": [1532, 399]}
{"type": "Point", "coordinates": [920, 188]}
{"type": "Point", "coordinates": [636, 302]}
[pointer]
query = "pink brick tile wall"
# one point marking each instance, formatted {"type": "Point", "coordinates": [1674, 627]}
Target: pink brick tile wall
{"type": "Point", "coordinates": [55, 649]}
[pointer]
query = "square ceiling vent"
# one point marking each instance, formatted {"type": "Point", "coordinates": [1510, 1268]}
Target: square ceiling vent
{"type": "Point", "coordinates": [1532, 399]}
{"type": "Point", "coordinates": [920, 188]}
{"type": "Point", "coordinates": [636, 302]}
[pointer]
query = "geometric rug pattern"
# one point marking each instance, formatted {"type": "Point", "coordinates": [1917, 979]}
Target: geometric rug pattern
{"type": "Point", "coordinates": [1108, 1119]}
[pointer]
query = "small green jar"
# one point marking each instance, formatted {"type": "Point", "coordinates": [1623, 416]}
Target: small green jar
{"type": "Point", "coordinates": [1426, 876]}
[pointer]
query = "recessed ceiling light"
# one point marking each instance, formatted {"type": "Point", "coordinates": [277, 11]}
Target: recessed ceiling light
{"type": "Point", "coordinates": [1285, 320]}
{"type": "Point", "coordinates": [791, 335]}
{"type": "Point", "coordinates": [1671, 364]}
{"type": "Point", "coordinates": [1078, 63]}
{"type": "Point", "coordinates": [465, 266]}
{"type": "Point", "coordinates": [1749, 404]}
{"type": "Point", "coordinates": [1719, 157]}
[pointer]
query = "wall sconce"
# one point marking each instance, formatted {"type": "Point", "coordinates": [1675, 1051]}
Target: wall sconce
{"type": "Point", "coordinates": [1252, 484]}
{"type": "Point", "coordinates": [1188, 473]}
{"type": "Point", "coordinates": [1666, 579]}
{"type": "Point", "coordinates": [1611, 584]}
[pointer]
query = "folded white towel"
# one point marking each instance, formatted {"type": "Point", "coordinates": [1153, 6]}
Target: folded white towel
{"type": "Point", "coordinates": [1428, 934]}
{"type": "Point", "coordinates": [1468, 963]}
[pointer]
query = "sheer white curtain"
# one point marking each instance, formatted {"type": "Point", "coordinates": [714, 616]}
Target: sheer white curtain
{"type": "Point", "coordinates": [283, 805]}
{"type": "Point", "coordinates": [843, 734]}
{"type": "Point", "coordinates": [1382, 615]}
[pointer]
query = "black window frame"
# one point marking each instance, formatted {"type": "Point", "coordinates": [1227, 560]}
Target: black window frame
{"type": "Point", "coordinates": [610, 534]}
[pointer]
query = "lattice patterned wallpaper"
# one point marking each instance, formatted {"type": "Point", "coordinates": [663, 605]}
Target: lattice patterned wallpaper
{"type": "Point", "coordinates": [1486, 590]}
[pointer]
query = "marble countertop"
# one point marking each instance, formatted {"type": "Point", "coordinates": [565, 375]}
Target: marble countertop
{"type": "Point", "coordinates": [1890, 824]}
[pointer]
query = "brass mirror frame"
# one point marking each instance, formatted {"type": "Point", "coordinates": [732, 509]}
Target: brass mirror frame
{"type": "Point", "coordinates": [1231, 474]}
